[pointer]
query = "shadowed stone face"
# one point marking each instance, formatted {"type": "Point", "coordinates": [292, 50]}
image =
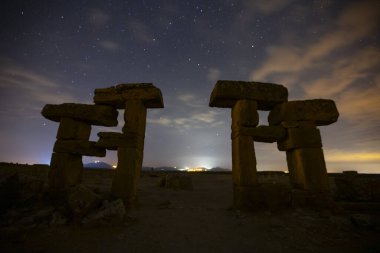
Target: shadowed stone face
{"type": "Point", "coordinates": [320, 111]}
{"type": "Point", "coordinates": [117, 95]}
{"type": "Point", "coordinates": [111, 140]}
{"type": "Point", "coordinates": [267, 95]}
{"type": "Point", "coordinates": [98, 115]}
{"type": "Point", "coordinates": [79, 147]}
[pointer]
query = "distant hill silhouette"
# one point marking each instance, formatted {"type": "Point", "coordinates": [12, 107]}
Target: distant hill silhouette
{"type": "Point", "coordinates": [98, 165]}
{"type": "Point", "coordinates": [217, 169]}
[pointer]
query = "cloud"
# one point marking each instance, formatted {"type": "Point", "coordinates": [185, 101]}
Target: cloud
{"type": "Point", "coordinates": [163, 121]}
{"type": "Point", "coordinates": [33, 89]}
{"type": "Point", "coordinates": [213, 74]}
{"type": "Point", "coordinates": [141, 31]}
{"type": "Point", "coordinates": [110, 45]}
{"type": "Point", "coordinates": [339, 156]}
{"type": "Point", "coordinates": [98, 17]}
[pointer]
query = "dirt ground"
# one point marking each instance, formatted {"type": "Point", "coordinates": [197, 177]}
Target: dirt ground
{"type": "Point", "coordinates": [201, 220]}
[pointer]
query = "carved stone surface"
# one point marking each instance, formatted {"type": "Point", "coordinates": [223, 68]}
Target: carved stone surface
{"type": "Point", "coordinates": [65, 170]}
{"type": "Point", "coordinates": [79, 147]}
{"type": "Point", "coordinates": [301, 137]}
{"type": "Point", "coordinates": [111, 140]}
{"type": "Point", "coordinates": [320, 111]}
{"type": "Point", "coordinates": [71, 129]}
{"type": "Point", "coordinates": [117, 95]}
{"type": "Point", "coordinates": [226, 93]}
{"type": "Point", "coordinates": [268, 134]}
{"type": "Point", "coordinates": [99, 115]}
{"type": "Point", "coordinates": [307, 169]}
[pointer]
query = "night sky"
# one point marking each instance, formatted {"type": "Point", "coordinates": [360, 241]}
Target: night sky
{"type": "Point", "coordinates": [60, 51]}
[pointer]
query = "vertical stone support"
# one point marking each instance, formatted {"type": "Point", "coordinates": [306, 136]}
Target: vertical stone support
{"type": "Point", "coordinates": [244, 174]}
{"type": "Point", "coordinates": [244, 99]}
{"type": "Point", "coordinates": [66, 167]}
{"type": "Point", "coordinates": [130, 155]}
{"type": "Point", "coordinates": [303, 143]}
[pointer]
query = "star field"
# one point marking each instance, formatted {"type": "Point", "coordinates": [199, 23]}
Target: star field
{"type": "Point", "coordinates": [60, 51]}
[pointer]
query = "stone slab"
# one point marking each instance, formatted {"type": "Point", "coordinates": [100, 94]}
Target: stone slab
{"type": "Point", "coordinates": [100, 115]}
{"type": "Point", "coordinates": [111, 140]}
{"type": "Point", "coordinates": [244, 113]}
{"type": "Point", "coordinates": [79, 147]}
{"type": "Point", "coordinates": [66, 170]}
{"type": "Point", "coordinates": [267, 134]}
{"type": "Point", "coordinates": [226, 93]}
{"type": "Point", "coordinates": [301, 137]}
{"type": "Point", "coordinates": [320, 111]}
{"type": "Point", "coordinates": [71, 129]}
{"type": "Point", "coordinates": [116, 96]}
{"type": "Point", "coordinates": [307, 169]}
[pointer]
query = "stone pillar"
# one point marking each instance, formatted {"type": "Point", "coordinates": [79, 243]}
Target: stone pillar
{"type": "Point", "coordinates": [66, 167]}
{"type": "Point", "coordinates": [245, 98]}
{"type": "Point", "coordinates": [303, 144]}
{"type": "Point", "coordinates": [244, 175]}
{"type": "Point", "coordinates": [135, 99]}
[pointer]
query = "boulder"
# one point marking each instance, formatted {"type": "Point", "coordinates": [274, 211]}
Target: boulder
{"type": "Point", "coordinates": [267, 95]}
{"type": "Point", "coordinates": [117, 95]}
{"type": "Point", "coordinates": [81, 200]}
{"type": "Point", "coordinates": [320, 111]}
{"type": "Point", "coordinates": [111, 213]}
{"type": "Point", "coordinates": [100, 115]}
{"type": "Point", "coordinates": [79, 147]}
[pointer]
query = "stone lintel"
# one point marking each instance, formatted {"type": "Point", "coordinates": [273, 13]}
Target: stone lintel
{"type": "Point", "coordinates": [79, 147]}
{"type": "Point", "coordinates": [71, 129]}
{"type": "Point", "coordinates": [267, 134]}
{"type": "Point", "coordinates": [320, 111]}
{"type": "Point", "coordinates": [111, 140]}
{"type": "Point", "coordinates": [301, 137]}
{"type": "Point", "coordinates": [100, 115]}
{"type": "Point", "coordinates": [267, 95]}
{"type": "Point", "coordinates": [117, 96]}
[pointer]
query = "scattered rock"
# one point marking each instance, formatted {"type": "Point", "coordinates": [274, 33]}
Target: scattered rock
{"type": "Point", "coordinates": [362, 220]}
{"type": "Point", "coordinates": [110, 213]}
{"type": "Point", "coordinates": [57, 219]}
{"type": "Point", "coordinates": [182, 182]}
{"type": "Point", "coordinates": [81, 200]}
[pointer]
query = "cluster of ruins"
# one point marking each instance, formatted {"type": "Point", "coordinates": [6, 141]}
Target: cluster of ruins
{"type": "Point", "coordinates": [74, 132]}
{"type": "Point", "coordinates": [292, 124]}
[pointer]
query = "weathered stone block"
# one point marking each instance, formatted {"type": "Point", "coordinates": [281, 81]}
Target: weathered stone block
{"type": "Point", "coordinates": [268, 134]}
{"type": "Point", "coordinates": [79, 147]}
{"type": "Point", "coordinates": [111, 140]}
{"type": "Point", "coordinates": [307, 169]}
{"type": "Point", "coordinates": [135, 118]}
{"type": "Point", "coordinates": [117, 95]}
{"type": "Point", "coordinates": [244, 113]}
{"type": "Point", "coordinates": [243, 161]}
{"type": "Point", "coordinates": [320, 111]}
{"type": "Point", "coordinates": [99, 115]}
{"type": "Point", "coordinates": [65, 170]}
{"type": "Point", "coordinates": [71, 129]}
{"type": "Point", "coordinates": [226, 93]}
{"type": "Point", "coordinates": [301, 137]}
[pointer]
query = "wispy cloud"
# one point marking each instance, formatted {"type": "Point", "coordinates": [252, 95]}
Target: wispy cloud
{"type": "Point", "coordinates": [214, 74]}
{"type": "Point", "coordinates": [268, 6]}
{"type": "Point", "coordinates": [33, 89]}
{"type": "Point", "coordinates": [109, 45]}
{"type": "Point", "coordinates": [98, 17]}
{"type": "Point", "coordinates": [141, 31]}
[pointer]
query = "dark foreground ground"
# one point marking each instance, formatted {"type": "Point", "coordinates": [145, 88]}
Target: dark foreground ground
{"type": "Point", "coordinates": [199, 220]}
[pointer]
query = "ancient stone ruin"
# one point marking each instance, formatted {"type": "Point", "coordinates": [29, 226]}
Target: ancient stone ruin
{"type": "Point", "coordinates": [74, 132]}
{"type": "Point", "coordinates": [293, 125]}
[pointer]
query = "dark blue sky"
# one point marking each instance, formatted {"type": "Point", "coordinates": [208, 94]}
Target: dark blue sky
{"type": "Point", "coordinates": [60, 51]}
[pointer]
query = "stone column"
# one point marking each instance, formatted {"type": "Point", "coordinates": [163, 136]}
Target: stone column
{"type": "Point", "coordinates": [135, 99]}
{"type": "Point", "coordinates": [245, 98]}
{"type": "Point", "coordinates": [303, 144]}
{"type": "Point", "coordinates": [66, 167]}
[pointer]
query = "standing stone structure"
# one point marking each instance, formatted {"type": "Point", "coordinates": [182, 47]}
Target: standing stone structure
{"type": "Point", "coordinates": [134, 98]}
{"type": "Point", "coordinates": [66, 167]}
{"type": "Point", "coordinates": [303, 143]}
{"type": "Point", "coordinates": [244, 99]}
{"type": "Point", "coordinates": [293, 125]}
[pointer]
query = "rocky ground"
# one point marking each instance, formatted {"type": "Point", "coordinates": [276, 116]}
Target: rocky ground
{"type": "Point", "coordinates": [180, 213]}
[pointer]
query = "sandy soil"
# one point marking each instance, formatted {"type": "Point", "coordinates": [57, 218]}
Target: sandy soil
{"type": "Point", "coordinates": [201, 220]}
